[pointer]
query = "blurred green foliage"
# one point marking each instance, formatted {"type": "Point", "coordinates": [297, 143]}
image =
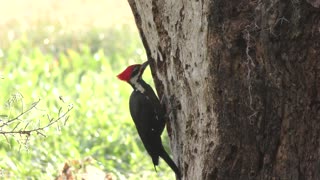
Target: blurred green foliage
{"type": "Point", "coordinates": [63, 67]}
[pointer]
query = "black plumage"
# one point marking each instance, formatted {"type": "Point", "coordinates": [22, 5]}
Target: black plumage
{"type": "Point", "coordinates": [148, 116]}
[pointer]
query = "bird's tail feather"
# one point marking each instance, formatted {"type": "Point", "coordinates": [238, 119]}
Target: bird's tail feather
{"type": "Point", "coordinates": [165, 156]}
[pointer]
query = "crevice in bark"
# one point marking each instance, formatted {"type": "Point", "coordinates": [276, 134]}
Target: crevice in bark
{"type": "Point", "coordinates": [260, 118]}
{"type": "Point", "coordinates": [138, 21]}
{"type": "Point", "coordinates": [158, 18]}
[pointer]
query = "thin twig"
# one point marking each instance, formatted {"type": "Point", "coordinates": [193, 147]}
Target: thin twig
{"type": "Point", "coordinates": [21, 114]}
{"type": "Point", "coordinates": [39, 129]}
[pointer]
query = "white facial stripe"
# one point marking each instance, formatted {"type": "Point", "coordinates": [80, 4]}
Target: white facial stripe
{"type": "Point", "coordinates": [135, 83]}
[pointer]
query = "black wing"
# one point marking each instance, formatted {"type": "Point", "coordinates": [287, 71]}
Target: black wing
{"type": "Point", "coordinates": [148, 123]}
{"type": "Point", "coordinates": [148, 117]}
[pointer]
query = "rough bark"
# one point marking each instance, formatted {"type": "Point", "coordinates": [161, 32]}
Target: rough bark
{"type": "Point", "coordinates": [243, 80]}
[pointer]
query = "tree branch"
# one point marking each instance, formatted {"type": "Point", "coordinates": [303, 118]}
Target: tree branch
{"type": "Point", "coordinates": [21, 114]}
{"type": "Point", "coordinates": [25, 131]}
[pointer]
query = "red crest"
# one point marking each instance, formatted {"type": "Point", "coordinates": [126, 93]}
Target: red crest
{"type": "Point", "coordinates": [126, 74]}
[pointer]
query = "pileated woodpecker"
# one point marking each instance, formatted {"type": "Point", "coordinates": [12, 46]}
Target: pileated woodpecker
{"type": "Point", "coordinates": [147, 114]}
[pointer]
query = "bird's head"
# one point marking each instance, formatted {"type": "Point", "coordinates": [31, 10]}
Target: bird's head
{"type": "Point", "coordinates": [133, 72]}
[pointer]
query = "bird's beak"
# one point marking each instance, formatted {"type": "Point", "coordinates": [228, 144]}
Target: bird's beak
{"type": "Point", "coordinates": [143, 66]}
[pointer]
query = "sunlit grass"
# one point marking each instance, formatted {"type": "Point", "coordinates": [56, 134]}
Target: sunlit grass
{"type": "Point", "coordinates": [46, 59]}
{"type": "Point", "coordinates": [72, 13]}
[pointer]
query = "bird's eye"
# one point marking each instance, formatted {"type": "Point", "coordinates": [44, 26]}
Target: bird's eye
{"type": "Point", "coordinates": [135, 71]}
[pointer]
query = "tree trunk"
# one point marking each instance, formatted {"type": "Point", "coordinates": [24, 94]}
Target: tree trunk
{"type": "Point", "coordinates": [243, 81]}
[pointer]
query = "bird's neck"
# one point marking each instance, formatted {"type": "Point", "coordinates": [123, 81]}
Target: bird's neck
{"type": "Point", "coordinates": [138, 85]}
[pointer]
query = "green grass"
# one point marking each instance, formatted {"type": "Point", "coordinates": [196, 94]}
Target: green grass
{"type": "Point", "coordinates": [50, 63]}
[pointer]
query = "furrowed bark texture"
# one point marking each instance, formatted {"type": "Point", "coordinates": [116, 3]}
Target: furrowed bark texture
{"type": "Point", "coordinates": [242, 79]}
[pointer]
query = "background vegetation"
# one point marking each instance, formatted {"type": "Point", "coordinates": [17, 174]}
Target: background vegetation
{"type": "Point", "coordinates": [68, 53]}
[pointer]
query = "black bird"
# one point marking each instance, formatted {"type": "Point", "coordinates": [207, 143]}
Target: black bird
{"type": "Point", "coordinates": [147, 114]}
